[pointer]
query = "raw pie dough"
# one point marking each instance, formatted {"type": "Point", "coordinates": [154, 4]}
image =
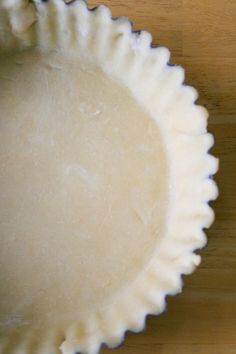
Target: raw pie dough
{"type": "Point", "coordinates": [104, 178]}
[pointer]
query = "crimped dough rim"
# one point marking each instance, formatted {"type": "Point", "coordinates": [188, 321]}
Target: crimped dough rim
{"type": "Point", "coordinates": [159, 88]}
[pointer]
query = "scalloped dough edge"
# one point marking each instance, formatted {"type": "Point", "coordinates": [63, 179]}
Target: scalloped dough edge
{"type": "Point", "coordinates": [130, 58]}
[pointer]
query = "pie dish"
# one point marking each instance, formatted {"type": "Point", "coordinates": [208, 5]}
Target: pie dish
{"type": "Point", "coordinates": [105, 177]}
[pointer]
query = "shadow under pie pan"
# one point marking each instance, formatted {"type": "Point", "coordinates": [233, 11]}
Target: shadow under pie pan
{"type": "Point", "coordinates": [105, 178]}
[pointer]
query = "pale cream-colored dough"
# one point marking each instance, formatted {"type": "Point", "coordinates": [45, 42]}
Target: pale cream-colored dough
{"type": "Point", "coordinates": [83, 188]}
{"type": "Point", "coordinates": [102, 202]}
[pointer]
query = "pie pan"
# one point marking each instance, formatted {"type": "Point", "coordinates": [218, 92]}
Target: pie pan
{"type": "Point", "coordinates": [105, 177]}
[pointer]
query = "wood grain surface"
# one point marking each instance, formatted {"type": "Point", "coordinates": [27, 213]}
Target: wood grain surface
{"type": "Point", "coordinates": [201, 35]}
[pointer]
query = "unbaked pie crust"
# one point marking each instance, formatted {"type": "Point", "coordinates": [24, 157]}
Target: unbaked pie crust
{"type": "Point", "coordinates": [104, 178]}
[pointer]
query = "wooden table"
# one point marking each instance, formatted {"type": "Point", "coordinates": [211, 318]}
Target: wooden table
{"type": "Point", "coordinates": [201, 35]}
